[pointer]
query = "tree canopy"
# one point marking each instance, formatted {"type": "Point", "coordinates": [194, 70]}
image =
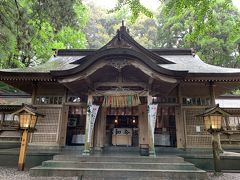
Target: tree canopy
{"type": "Point", "coordinates": [30, 29]}
{"type": "Point", "coordinates": [217, 44]}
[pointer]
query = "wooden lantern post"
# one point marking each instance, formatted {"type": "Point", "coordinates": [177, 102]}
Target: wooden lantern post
{"type": "Point", "coordinates": [27, 122]}
{"type": "Point", "coordinates": [213, 119]}
{"type": "Point", "coordinates": [23, 150]}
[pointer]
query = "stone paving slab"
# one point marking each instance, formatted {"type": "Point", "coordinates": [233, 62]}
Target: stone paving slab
{"type": "Point", "coordinates": [14, 174]}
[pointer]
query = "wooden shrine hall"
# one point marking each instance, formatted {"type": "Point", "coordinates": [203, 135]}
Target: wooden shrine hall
{"type": "Point", "coordinates": [122, 78]}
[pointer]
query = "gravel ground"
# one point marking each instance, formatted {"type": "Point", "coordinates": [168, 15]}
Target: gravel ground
{"type": "Point", "coordinates": [14, 174]}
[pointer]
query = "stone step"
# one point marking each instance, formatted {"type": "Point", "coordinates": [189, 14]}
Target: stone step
{"type": "Point", "coordinates": [101, 173]}
{"type": "Point", "coordinates": [120, 165]}
{"type": "Point", "coordinates": [139, 159]}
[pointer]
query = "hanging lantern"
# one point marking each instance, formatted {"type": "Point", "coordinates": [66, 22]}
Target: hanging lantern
{"type": "Point", "coordinates": [116, 120]}
{"type": "Point", "coordinates": [133, 121]}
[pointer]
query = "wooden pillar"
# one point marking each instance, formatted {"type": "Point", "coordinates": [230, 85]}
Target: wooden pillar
{"type": "Point", "coordinates": [34, 92]}
{"type": "Point", "coordinates": [180, 122]}
{"type": "Point", "coordinates": [63, 126]}
{"type": "Point", "coordinates": [23, 150]}
{"type": "Point", "coordinates": [103, 126]}
{"type": "Point", "coordinates": [97, 132]}
{"type": "Point", "coordinates": [102, 130]}
{"type": "Point", "coordinates": [212, 93]}
{"type": "Point", "coordinates": [62, 121]}
{"type": "Point", "coordinates": [87, 145]}
{"type": "Point", "coordinates": [1, 119]}
{"type": "Point", "coordinates": [143, 124]}
{"type": "Point", "coordinates": [33, 101]}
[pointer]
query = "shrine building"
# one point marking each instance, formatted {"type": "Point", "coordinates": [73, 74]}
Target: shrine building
{"type": "Point", "coordinates": [122, 78]}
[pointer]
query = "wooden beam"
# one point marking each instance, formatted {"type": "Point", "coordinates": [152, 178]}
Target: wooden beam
{"type": "Point", "coordinates": [150, 73]}
{"type": "Point", "coordinates": [150, 82]}
{"type": "Point", "coordinates": [212, 92]}
{"type": "Point", "coordinates": [120, 84]}
{"type": "Point", "coordinates": [146, 70]}
{"type": "Point", "coordinates": [84, 75]}
{"type": "Point", "coordinates": [90, 83]}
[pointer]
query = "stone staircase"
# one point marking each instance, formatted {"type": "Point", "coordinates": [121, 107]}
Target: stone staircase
{"type": "Point", "coordinates": [119, 167]}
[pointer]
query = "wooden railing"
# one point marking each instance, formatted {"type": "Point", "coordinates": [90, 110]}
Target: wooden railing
{"type": "Point", "coordinates": [9, 125]}
{"type": "Point", "coordinates": [231, 137]}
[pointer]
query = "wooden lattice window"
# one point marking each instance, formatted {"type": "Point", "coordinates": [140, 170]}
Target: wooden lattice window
{"type": "Point", "coordinates": [196, 101]}
{"type": "Point", "coordinates": [47, 126]}
{"type": "Point", "coordinates": [8, 121]}
{"type": "Point", "coordinates": [49, 100]}
{"type": "Point", "coordinates": [196, 136]}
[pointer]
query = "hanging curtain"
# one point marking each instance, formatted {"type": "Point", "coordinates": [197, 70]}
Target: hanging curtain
{"type": "Point", "coordinates": [121, 101]}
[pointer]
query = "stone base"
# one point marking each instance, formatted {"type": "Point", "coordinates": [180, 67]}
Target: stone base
{"type": "Point", "coordinates": [152, 153]}
{"type": "Point", "coordinates": [86, 153]}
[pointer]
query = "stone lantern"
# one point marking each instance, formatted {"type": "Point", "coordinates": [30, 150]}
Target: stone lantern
{"type": "Point", "coordinates": [213, 121]}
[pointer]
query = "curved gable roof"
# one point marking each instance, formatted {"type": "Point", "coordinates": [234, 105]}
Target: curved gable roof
{"type": "Point", "coordinates": [117, 52]}
{"type": "Point", "coordinates": [124, 40]}
{"type": "Point", "coordinates": [122, 45]}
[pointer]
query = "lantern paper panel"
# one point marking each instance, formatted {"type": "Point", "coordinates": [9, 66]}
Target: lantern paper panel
{"type": "Point", "coordinates": [213, 121]}
{"type": "Point", "coordinates": [25, 120]}
{"type": "Point", "coordinates": [33, 121]}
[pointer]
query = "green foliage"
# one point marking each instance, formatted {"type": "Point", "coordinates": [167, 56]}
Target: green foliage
{"type": "Point", "coordinates": [237, 92]}
{"type": "Point", "coordinates": [60, 13]}
{"type": "Point", "coordinates": [216, 44]}
{"type": "Point", "coordinates": [97, 27]}
{"type": "Point", "coordinates": [103, 26]}
{"type": "Point", "coordinates": [31, 28]}
{"type": "Point", "coordinates": [136, 8]}
{"type": "Point", "coordinates": [144, 31]}
{"type": "Point", "coordinates": [202, 9]}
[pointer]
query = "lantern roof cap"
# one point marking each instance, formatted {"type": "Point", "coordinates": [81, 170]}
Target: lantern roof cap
{"type": "Point", "coordinates": [213, 110]}
{"type": "Point", "coordinates": [28, 108]}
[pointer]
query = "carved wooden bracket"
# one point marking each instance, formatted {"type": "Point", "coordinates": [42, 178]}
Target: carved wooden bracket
{"type": "Point", "coordinates": [119, 63]}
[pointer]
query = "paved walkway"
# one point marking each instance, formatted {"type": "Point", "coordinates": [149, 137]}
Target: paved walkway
{"type": "Point", "coordinates": [13, 174]}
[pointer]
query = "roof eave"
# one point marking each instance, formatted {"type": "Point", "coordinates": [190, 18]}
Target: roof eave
{"type": "Point", "coordinates": [29, 76]}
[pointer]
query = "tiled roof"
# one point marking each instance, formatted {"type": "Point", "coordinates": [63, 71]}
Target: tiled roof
{"type": "Point", "coordinates": [193, 64]}
{"type": "Point", "coordinates": [190, 63]}
{"type": "Point", "coordinates": [55, 63]}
